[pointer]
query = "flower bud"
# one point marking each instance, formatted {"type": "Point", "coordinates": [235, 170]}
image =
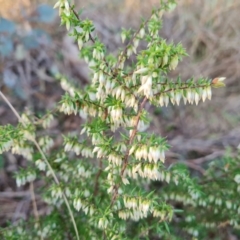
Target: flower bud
{"type": "Point", "coordinates": [80, 43]}
{"type": "Point", "coordinates": [218, 82]}
{"type": "Point", "coordinates": [142, 32]}
{"type": "Point", "coordinates": [165, 60]}
{"type": "Point", "coordinates": [173, 63]}
{"type": "Point", "coordinates": [123, 36]}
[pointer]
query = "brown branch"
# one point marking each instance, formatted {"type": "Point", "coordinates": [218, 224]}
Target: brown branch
{"type": "Point", "coordinates": [130, 141]}
{"type": "Point", "coordinates": [125, 162]}
{"type": "Point", "coordinates": [35, 210]}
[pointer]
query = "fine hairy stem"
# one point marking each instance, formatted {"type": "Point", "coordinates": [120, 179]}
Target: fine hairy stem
{"type": "Point", "coordinates": [46, 161]}
{"type": "Point", "coordinates": [130, 141]}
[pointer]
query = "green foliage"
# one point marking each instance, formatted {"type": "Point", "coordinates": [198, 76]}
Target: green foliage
{"type": "Point", "coordinates": [110, 179]}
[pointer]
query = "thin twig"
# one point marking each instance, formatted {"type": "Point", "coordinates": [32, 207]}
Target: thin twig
{"type": "Point", "coordinates": [35, 210]}
{"type": "Point", "coordinates": [34, 201]}
{"type": "Point", "coordinates": [11, 106]}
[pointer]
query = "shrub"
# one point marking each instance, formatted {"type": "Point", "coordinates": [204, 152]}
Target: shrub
{"type": "Point", "coordinates": [109, 181]}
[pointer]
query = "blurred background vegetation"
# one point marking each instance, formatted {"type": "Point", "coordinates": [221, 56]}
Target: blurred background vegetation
{"type": "Point", "coordinates": [33, 48]}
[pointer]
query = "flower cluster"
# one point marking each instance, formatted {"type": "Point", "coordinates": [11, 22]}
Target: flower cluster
{"type": "Point", "coordinates": [21, 148]}
{"type": "Point", "coordinates": [25, 176]}
{"type": "Point", "coordinates": [79, 204]}
{"type": "Point", "coordinates": [149, 171]}
{"type": "Point", "coordinates": [47, 120]}
{"type": "Point", "coordinates": [148, 153]}
{"type": "Point", "coordinates": [46, 143]}
{"type": "Point", "coordinates": [136, 208]}
{"type": "Point", "coordinates": [41, 165]}
{"type": "Point", "coordinates": [72, 144]}
{"type": "Point", "coordinates": [190, 95]}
